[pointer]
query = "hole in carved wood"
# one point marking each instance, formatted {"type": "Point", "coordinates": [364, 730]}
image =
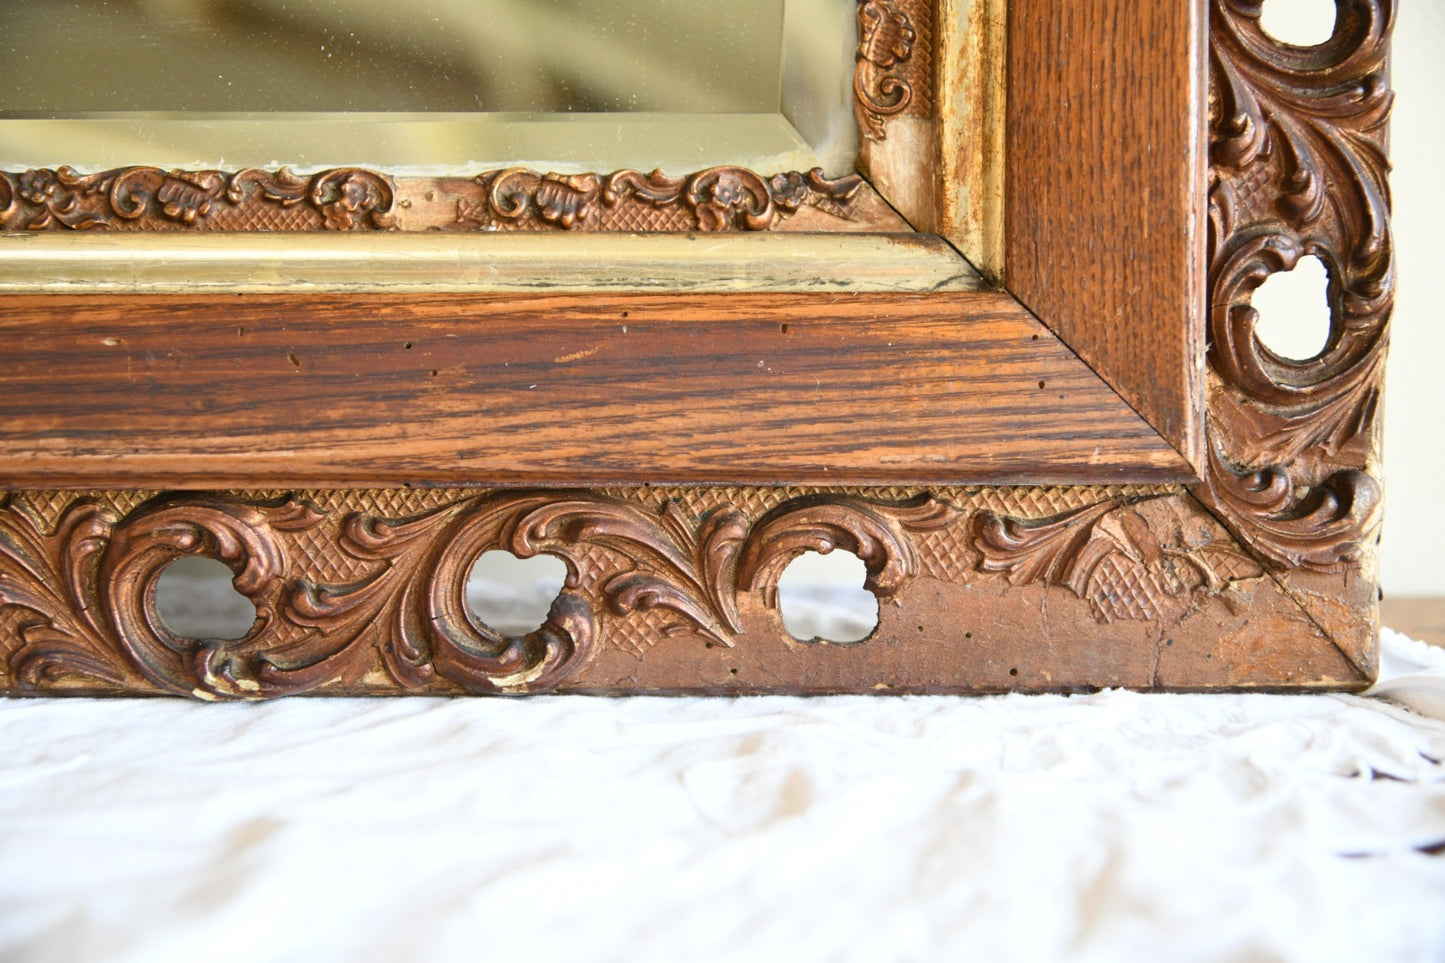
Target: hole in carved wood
{"type": "Point", "coordinates": [513, 595]}
{"type": "Point", "coordinates": [196, 600]}
{"type": "Point", "coordinates": [1303, 23]}
{"type": "Point", "coordinates": [1294, 313]}
{"type": "Point", "coordinates": [822, 598]}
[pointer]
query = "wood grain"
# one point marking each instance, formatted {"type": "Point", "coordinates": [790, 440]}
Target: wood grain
{"type": "Point", "coordinates": [1106, 193]}
{"type": "Point", "coordinates": [276, 390]}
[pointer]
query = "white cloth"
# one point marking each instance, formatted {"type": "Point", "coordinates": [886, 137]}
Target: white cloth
{"type": "Point", "coordinates": [1102, 827]}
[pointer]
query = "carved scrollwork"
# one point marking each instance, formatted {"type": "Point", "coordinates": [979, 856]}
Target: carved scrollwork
{"type": "Point", "coordinates": [1299, 168]}
{"type": "Point", "coordinates": [46, 583]}
{"type": "Point", "coordinates": [716, 199]}
{"type": "Point", "coordinates": [879, 533]}
{"type": "Point", "coordinates": [363, 592]}
{"type": "Point", "coordinates": [886, 37]}
{"type": "Point", "coordinates": [679, 567]}
{"type": "Point", "coordinates": [86, 594]}
{"type": "Point", "coordinates": [1138, 560]}
{"type": "Point", "coordinates": [150, 198]}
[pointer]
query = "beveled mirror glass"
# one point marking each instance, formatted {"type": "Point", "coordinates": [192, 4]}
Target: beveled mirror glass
{"type": "Point", "coordinates": [434, 85]}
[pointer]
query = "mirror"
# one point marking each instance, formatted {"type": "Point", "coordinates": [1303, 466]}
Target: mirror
{"type": "Point", "coordinates": [430, 86]}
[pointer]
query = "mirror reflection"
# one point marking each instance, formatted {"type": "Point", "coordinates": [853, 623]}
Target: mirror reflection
{"type": "Point", "coordinates": [501, 63]}
{"type": "Point", "coordinates": [79, 56]}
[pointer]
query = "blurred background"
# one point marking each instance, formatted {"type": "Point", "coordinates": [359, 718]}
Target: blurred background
{"type": "Point", "coordinates": [1411, 560]}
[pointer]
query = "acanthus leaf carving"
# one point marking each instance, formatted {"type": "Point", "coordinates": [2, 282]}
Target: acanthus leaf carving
{"type": "Point", "coordinates": [879, 533]}
{"type": "Point", "coordinates": [45, 582]}
{"type": "Point", "coordinates": [1299, 168]}
{"type": "Point", "coordinates": [1129, 559]}
{"type": "Point", "coordinates": [675, 567]}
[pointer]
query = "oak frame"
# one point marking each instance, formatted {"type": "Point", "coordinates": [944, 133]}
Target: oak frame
{"type": "Point", "coordinates": [1258, 571]}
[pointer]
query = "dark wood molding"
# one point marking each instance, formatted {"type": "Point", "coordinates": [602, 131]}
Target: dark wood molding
{"type": "Point", "coordinates": [356, 390]}
{"type": "Point", "coordinates": [1105, 183]}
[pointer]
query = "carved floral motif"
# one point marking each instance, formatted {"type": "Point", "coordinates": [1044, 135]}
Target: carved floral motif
{"type": "Point", "coordinates": [154, 199]}
{"type": "Point", "coordinates": [81, 593]}
{"type": "Point", "coordinates": [716, 199]}
{"type": "Point", "coordinates": [1299, 168]}
{"type": "Point", "coordinates": [148, 198]}
{"type": "Point", "coordinates": [881, 86]}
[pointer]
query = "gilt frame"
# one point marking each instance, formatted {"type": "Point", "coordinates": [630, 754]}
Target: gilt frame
{"type": "Point", "coordinates": [1241, 556]}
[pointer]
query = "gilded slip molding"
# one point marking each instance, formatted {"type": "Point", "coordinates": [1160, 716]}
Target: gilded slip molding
{"type": "Point", "coordinates": [352, 199]}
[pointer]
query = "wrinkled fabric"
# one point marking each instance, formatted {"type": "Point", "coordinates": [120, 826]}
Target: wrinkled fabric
{"type": "Point", "coordinates": [1101, 827]}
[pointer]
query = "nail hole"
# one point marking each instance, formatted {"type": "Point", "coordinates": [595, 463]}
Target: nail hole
{"type": "Point", "coordinates": [240, 331]}
{"type": "Point", "coordinates": [196, 600]}
{"type": "Point", "coordinates": [1042, 384]}
{"type": "Point", "coordinates": [1033, 337]}
{"type": "Point", "coordinates": [1302, 23]}
{"type": "Point", "coordinates": [406, 345]}
{"type": "Point", "coordinates": [626, 314]}
{"type": "Point", "coordinates": [513, 595]}
{"type": "Point", "coordinates": [434, 372]}
{"type": "Point", "coordinates": [783, 328]}
{"type": "Point", "coordinates": [1013, 671]}
{"type": "Point", "coordinates": [732, 671]}
{"type": "Point", "coordinates": [295, 361]}
{"type": "Point", "coordinates": [822, 598]}
{"type": "Point", "coordinates": [1294, 312]}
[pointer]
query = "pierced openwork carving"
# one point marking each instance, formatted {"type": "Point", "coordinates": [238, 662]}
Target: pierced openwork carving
{"type": "Point", "coordinates": [364, 591]}
{"type": "Point", "coordinates": [1299, 168]}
